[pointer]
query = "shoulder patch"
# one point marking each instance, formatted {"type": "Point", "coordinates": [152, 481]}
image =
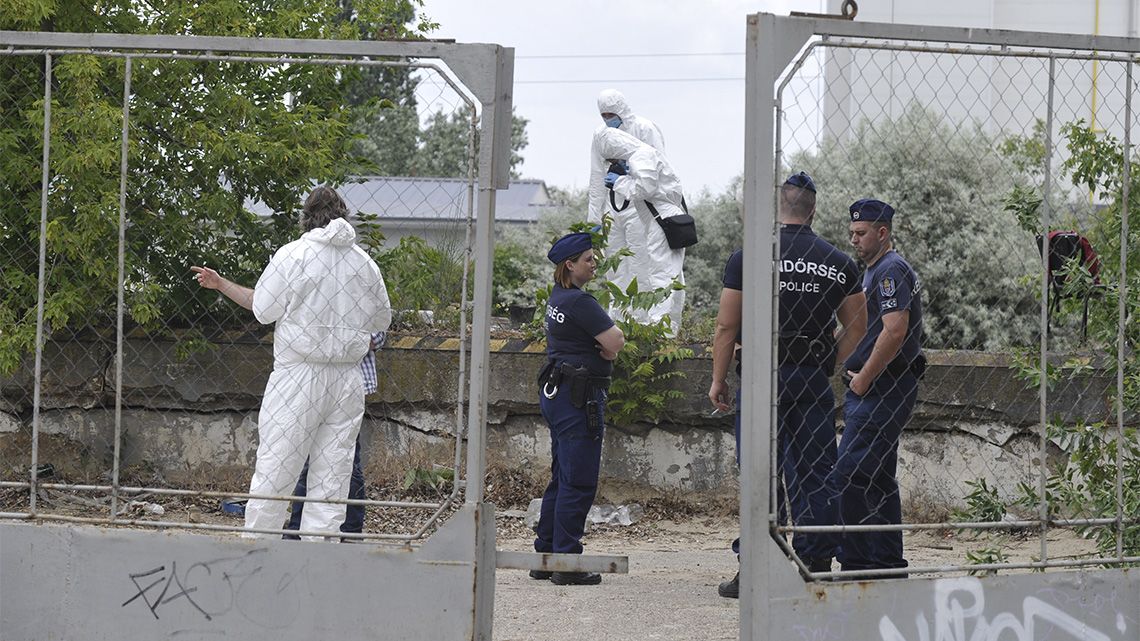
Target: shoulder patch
{"type": "Point", "coordinates": [888, 287]}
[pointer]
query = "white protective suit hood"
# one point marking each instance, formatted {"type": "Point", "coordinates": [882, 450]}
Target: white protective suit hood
{"type": "Point", "coordinates": [643, 129]}
{"type": "Point", "coordinates": [612, 101]}
{"type": "Point", "coordinates": [325, 294]}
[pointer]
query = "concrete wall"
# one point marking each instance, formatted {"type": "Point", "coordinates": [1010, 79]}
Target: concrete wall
{"type": "Point", "coordinates": [195, 417]}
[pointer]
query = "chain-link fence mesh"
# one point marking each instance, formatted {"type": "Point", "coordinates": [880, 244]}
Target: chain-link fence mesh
{"type": "Point", "coordinates": [141, 405]}
{"type": "Point", "coordinates": [978, 150]}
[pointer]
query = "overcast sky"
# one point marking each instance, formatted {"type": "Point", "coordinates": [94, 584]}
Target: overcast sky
{"type": "Point", "coordinates": [679, 63]}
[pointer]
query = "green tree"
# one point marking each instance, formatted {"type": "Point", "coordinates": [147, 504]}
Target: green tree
{"type": "Point", "coordinates": [444, 144]}
{"type": "Point", "coordinates": [947, 183]}
{"type": "Point", "coordinates": [521, 267]}
{"type": "Point", "coordinates": [206, 137]}
{"type": "Point", "coordinates": [720, 226]}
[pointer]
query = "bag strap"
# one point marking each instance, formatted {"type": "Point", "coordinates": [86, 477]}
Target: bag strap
{"type": "Point", "coordinates": [653, 210]}
{"type": "Point", "coordinates": [614, 204]}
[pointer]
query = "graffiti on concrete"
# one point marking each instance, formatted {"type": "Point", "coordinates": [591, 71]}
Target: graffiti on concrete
{"type": "Point", "coordinates": [959, 615]}
{"type": "Point", "coordinates": [210, 589]}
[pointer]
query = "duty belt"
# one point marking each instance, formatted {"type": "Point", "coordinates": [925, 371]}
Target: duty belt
{"type": "Point", "coordinates": [818, 351]}
{"type": "Point", "coordinates": [900, 367]}
{"type": "Point", "coordinates": [557, 374]}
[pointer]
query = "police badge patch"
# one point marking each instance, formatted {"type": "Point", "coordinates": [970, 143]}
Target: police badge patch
{"type": "Point", "coordinates": [887, 287]}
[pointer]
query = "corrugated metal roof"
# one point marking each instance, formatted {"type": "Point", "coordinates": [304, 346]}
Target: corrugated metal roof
{"type": "Point", "coordinates": [433, 199]}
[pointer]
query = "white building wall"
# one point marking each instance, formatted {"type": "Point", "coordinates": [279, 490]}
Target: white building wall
{"type": "Point", "coordinates": [1005, 95]}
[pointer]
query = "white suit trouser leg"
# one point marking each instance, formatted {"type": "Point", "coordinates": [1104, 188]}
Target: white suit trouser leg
{"type": "Point", "coordinates": [309, 411]}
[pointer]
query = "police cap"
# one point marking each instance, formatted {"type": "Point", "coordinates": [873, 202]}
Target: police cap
{"type": "Point", "coordinates": [870, 210]}
{"type": "Point", "coordinates": [801, 180]}
{"type": "Point", "coordinates": [569, 245]}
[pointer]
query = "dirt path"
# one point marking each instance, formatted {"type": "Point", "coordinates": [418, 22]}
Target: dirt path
{"type": "Point", "coordinates": [669, 593]}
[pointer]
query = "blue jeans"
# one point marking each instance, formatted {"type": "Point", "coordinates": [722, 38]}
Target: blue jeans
{"type": "Point", "coordinates": [354, 514]}
{"type": "Point", "coordinates": [864, 479]}
{"type": "Point", "coordinates": [576, 456]}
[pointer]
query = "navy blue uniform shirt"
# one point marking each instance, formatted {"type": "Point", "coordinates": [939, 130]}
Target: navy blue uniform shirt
{"type": "Point", "coordinates": [573, 319]}
{"type": "Point", "coordinates": [891, 286]}
{"type": "Point", "coordinates": [815, 277]}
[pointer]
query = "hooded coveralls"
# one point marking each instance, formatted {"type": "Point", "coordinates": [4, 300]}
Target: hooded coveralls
{"type": "Point", "coordinates": [612, 101]}
{"type": "Point", "coordinates": [653, 263]}
{"type": "Point", "coordinates": [326, 297]}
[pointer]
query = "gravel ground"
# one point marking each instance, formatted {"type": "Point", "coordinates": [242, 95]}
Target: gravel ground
{"type": "Point", "coordinates": [670, 593]}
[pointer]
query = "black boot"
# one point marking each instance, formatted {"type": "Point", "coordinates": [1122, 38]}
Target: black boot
{"type": "Point", "coordinates": [541, 575]}
{"type": "Point", "coordinates": [730, 589]}
{"type": "Point", "coordinates": [575, 578]}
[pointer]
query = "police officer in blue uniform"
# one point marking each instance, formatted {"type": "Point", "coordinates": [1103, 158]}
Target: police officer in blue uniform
{"type": "Point", "coordinates": [819, 284]}
{"type": "Point", "coordinates": [581, 344]}
{"type": "Point", "coordinates": [883, 374]}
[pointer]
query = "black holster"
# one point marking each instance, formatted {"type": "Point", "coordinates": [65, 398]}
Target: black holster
{"type": "Point", "coordinates": [579, 380]}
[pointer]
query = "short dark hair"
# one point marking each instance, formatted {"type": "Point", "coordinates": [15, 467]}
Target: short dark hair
{"type": "Point", "coordinates": [322, 206]}
{"type": "Point", "coordinates": [796, 201]}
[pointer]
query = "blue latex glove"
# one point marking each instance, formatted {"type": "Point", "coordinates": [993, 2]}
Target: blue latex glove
{"type": "Point", "coordinates": [611, 178]}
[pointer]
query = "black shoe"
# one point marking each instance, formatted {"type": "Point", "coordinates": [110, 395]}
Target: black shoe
{"type": "Point", "coordinates": [730, 589]}
{"type": "Point", "coordinates": [575, 578]}
{"type": "Point", "coordinates": [541, 575]}
{"type": "Point", "coordinates": [818, 564]}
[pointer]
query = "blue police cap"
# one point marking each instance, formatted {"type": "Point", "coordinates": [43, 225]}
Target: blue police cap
{"type": "Point", "coordinates": [801, 180]}
{"type": "Point", "coordinates": [870, 210]}
{"type": "Point", "coordinates": [569, 245]}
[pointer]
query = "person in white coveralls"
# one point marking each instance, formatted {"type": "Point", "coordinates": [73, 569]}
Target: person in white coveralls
{"type": "Point", "coordinates": [649, 188]}
{"type": "Point", "coordinates": [327, 297]}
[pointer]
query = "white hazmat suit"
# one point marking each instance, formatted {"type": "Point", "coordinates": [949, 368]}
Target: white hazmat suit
{"type": "Point", "coordinates": [653, 262]}
{"type": "Point", "coordinates": [612, 101]}
{"type": "Point", "coordinates": [327, 297]}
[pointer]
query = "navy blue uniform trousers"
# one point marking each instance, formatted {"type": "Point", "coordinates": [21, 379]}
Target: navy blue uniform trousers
{"type": "Point", "coordinates": [805, 455]}
{"type": "Point", "coordinates": [354, 514]}
{"type": "Point", "coordinates": [865, 477]}
{"type": "Point", "coordinates": [576, 456]}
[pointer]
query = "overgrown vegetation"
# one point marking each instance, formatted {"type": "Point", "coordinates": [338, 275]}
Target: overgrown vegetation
{"type": "Point", "coordinates": [947, 182]}
{"type": "Point", "coordinates": [982, 504]}
{"type": "Point", "coordinates": [1100, 456]}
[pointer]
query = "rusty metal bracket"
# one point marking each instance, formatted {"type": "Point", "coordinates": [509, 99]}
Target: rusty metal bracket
{"type": "Point", "coordinates": [848, 11]}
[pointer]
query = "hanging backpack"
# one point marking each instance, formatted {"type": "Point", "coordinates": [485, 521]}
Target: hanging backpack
{"type": "Point", "coordinates": [1065, 246]}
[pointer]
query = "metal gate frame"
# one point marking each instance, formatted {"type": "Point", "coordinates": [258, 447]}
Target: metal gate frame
{"type": "Point", "coordinates": [449, 580]}
{"type": "Point", "coordinates": [775, 603]}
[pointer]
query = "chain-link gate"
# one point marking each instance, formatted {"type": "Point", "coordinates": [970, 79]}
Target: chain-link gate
{"type": "Point", "coordinates": [1019, 461]}
{"type": "Point", "coordinates": [131, 384]}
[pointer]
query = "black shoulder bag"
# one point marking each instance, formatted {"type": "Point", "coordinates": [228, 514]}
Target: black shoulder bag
{"type": "Point", "coordinates": [680, 230]}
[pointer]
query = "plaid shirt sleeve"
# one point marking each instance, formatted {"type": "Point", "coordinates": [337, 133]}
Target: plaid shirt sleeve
{"type": "Point", "coordinates": [368, 363]}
